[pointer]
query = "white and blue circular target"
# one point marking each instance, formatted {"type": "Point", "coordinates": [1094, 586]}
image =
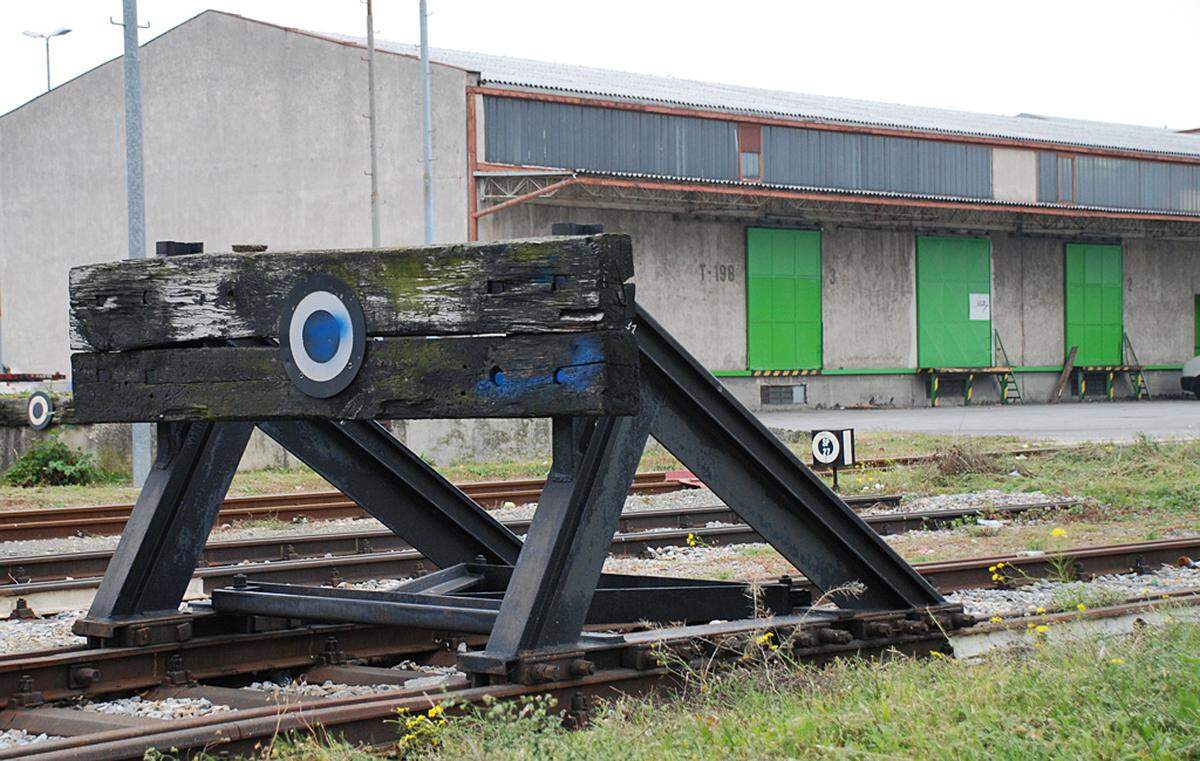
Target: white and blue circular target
{"type": "Point", "coordinates": [39, 410]}
{"type": "Point", "coordinates": [322, 336]}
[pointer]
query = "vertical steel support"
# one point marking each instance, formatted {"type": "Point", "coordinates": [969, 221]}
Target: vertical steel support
{"type": "Point", "coordinates": [547, 599]}
{"type": "Point", "coordinates": [970, 388]}
{"type": "Point", "coordinates": [170, 523]}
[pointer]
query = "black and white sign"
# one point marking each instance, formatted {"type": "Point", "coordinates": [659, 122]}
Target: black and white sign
{"type": "Point", "coordinates": [834, 448]}
{"type": "Point", "coordinates": [322, 336]}
{"type": "Point", "coordinates": [39, 411]}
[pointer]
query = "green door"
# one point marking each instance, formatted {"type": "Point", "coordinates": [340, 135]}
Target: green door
{"type": "Point", "coordinates": [1196, 333]}
{"type": "Point", "coordinates": [1094, 303]}
{"type": "Point", "coordinates": [783, 299]}
{"type": "Point", "coordinates": [954, 311]}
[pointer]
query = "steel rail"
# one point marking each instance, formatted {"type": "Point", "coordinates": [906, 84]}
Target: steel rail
{"type": "Point", "coordinates": [367, 719]}
{"type": "Point", "coordinates": [636, 532]}
{"type": "Point", "coordinates": [58, 522]}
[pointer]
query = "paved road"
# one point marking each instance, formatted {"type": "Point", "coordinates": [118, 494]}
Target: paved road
{"type": "Point", "coordinates": [1093, 421]}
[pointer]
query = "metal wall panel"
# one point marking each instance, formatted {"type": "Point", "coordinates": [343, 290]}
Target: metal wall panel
{"type": "Point", "coordinates": [535, 133]}
{"type": "Point", "coordinates": [793, 156]}
{"type": "Point", "coordinates": [1047, 177]}
{"type": "Point", "coordinates": [1119, 183]}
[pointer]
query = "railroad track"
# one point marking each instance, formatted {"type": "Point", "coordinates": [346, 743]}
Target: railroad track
{"type": "Point", "coordinates": [322, 652]}
{"type": "Point", "coordinates": [109, 520]}
{"type": "Point", "coordinates": [47, 584]}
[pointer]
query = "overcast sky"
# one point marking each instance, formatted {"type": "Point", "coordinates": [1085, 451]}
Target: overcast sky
{"type": "Point", "coordinates": [1126, 61]}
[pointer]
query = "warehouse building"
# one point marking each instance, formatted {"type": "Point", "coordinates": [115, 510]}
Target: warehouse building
{"type": "Point", "coordinates": [809, 250]}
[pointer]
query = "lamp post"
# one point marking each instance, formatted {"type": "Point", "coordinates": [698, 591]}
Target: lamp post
{"type": "Point", "coordinates": [56, 33]}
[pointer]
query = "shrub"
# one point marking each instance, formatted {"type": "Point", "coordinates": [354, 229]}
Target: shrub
{"type": "Point", "coordinates": [50, 462]}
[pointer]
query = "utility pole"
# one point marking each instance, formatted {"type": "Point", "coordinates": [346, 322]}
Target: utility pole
{"type": "Point", "coordinates": [371, 118]}
{"type": "Point", "coordinates": [135, 196]}
{"type": "Point", "coordinates": [427, 129]}
{"type": "Point", "coordinates": [47, 37]}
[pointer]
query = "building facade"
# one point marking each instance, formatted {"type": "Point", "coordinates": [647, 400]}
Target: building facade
{"type": "Point", "coordinates": [810, 251]}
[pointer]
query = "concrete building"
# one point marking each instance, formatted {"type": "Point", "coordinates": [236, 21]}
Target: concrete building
{"type": "Point", "coordinates": [809, 250]}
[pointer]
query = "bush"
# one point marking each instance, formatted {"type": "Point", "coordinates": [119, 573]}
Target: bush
{"type": "Point", "coordinates": [50, 462]}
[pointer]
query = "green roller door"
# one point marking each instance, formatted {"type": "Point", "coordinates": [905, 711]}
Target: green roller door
{"type": "Point", "coordinates": [1196, 334]}
{"type": "Point", "coordinates": [783, 299]}
{"type": "Point", "coordinates": [1095, 312]}
{"type": "Point", "coordinates": [954, 316]}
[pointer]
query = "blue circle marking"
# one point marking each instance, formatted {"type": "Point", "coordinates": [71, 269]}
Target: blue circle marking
{"type": "Point", "coordinates": [322, 335]}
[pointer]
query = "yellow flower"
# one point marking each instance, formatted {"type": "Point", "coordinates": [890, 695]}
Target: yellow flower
{"type": "Point", "coordinates": [1117, 661]}
{"type": "Point", "coordinates": [764, 638]}
{"type": "Point", "coordinates": [1040, 611]}
{"type": "Point", "coordinates": [991, 569]}
{"type": "Point", "coordinates": [1029, 625]}
{"type": "Point", "coordinates": [1058, 532]}
{"type": "Point", "coordinates": [691, 540]}
{"type": "Point", "coordinates": [436, 711]}
{"type": "Point", "coordinates": [995, 619]}
{"type": "Point", "coordinates": [1081, 607]}
{"type": "Point", "coordinates": [1042, 629]}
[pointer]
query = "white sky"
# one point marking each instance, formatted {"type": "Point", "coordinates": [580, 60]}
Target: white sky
{"type": "Point", "coordinates": [1127, 61]}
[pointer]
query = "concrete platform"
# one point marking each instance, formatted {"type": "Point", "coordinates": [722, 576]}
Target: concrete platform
{"type": "Point", "coordinates": [1067, 423]}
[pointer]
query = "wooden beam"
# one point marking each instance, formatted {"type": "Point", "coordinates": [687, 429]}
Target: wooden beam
{"type": "Point", "coordinates": [541, 285]}
{"type": "Point", "coordinates": [1063, 377]}
{"type": "Point", "coordinates": [13, 411]}
{"type": "Point", "coordinates": [463, 377]}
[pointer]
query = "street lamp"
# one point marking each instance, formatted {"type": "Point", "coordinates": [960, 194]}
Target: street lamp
{"type": "Point", "coordinates": [46, 37]}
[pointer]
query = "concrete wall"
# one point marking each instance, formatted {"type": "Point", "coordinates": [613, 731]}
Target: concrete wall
{"type": "Point", "coordinates": [675, 262]}
{"type": "Point", "coordinates": [868, 300]}
{"type": "Point", "coordinates": [1027, 298]}
{"type": "Point", "coordinates": [1162, 279]}
{"type": "Point", "coordinates": [253, 134]}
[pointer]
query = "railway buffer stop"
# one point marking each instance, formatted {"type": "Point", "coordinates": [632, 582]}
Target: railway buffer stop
{"type": "Point", "coordinates": [316, 347]}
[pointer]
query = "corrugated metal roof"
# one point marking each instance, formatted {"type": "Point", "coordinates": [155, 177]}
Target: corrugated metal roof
{"type": "Point", "coordinates": [582, 80]}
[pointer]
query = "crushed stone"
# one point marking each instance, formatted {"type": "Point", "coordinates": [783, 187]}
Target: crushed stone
{"type": "Point", "coordinates": [10, 738]}
{"type": "Point", "coordinates": [168, 708]}
{"type": "Point", "coordinates": [1050, 596]}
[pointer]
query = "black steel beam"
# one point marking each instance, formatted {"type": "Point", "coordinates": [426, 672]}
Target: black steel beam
{"type": "Point", "coordinates": [555, 578]}
{"type": "Point", "coordinates": [759, 478]}
{"type": "Point", "coordinates": [398, 488]}
{"type": "Point", "coordinates": [169, 525]}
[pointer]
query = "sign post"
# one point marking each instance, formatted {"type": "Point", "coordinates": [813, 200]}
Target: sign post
{"type": "Point", "coordinates": [833, 449]}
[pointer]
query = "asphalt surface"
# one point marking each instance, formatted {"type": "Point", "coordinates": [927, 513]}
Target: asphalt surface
{"type": "Point", "coordinates": [1066, 423]}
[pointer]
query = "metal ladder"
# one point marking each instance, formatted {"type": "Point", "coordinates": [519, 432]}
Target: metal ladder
{"type": "Point", "coordinates": [1137, 378]}
{"type": "Point", "coordinates": [1010, 392]}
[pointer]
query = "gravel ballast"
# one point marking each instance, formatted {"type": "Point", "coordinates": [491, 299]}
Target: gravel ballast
{"type": "Point", "coordinates": [1046, 596]}
{"type": "Point", "coordinates": [22, 636]}
{"type": "Point", "coordinates": [167, 709]}
{"type": "Point", "coordinates": [10, 738]}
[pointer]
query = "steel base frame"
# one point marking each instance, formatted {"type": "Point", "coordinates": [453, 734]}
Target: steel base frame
{"type": "Point", "coordinates": [532, 598]}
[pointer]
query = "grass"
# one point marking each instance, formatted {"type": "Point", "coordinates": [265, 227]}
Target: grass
{"type": "Point", "coordinates": [1145, 475]}
{"type": "Point", "coordinates": [1115, 698]}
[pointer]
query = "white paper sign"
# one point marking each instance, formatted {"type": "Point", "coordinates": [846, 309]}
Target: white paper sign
{"type": "Point", "coordinates": [980, 306]}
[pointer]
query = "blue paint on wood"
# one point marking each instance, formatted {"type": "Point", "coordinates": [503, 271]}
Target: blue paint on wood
{"type": "Point", "coordinates": [579, 374]}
